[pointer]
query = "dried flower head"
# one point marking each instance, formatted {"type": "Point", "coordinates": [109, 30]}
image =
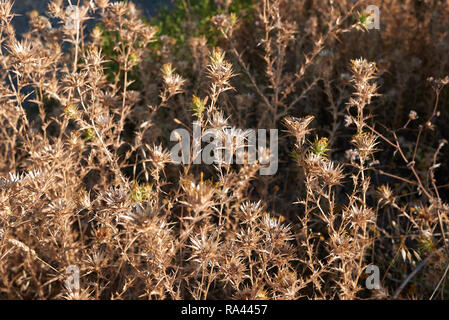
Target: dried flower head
{"type": "Point", "coordinates": [298, 127]}
{"type": "Point", "coordinates": [204, 248]}
{"type": "Point", "coordinates": [5, 11]}
{"type": "Point", "coordinates": [173, 81]}
{"type": "Point", "coordinates": [220, 70]}
{"type": "Point", "coordinates": [365, 143]}
{"type": "Point", "coordinates": [198, 195]}
{"type": "Point", "coordinates": [385, 195]}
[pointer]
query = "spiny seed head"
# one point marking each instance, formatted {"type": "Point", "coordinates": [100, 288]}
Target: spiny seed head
{"type": "Point", "coordinates": [21, 50]}
{"type": "Point", "coordinates": [234, 270]}
{"type": "Point", "coordinates": [363, 71]}
{"type": "Point", "coordinates": [5, 11]}
{"type": "Point", "coordinates": [102, 4]}
{"type": "Point", "coordinates": [119, 8]}
{"type": "Point", "coordinates": [218, 121]}
{"type": "Point", "coordinates": [385, 194]}
{"type": "Point", "coordinates": [332, 174]}
{"type": "Point", "coordinates": [219, 69]}
{"type": "Point", "coordinates": [96, 34]}
{"type": "Point", "coordinates": [160, 156]}
{"type": "Point", "coordinates": [204, 248]}
{"type": "Point", "coordinates": [298, 127]}
{"type": "Point", "coordinates": [251, 210]}
{"type": "Point", "coordinates": [198, 195]}
{"type": "Point", "coordinates": [217, 56]}
{"type": "Point", "coordinates": [173, 81]}
{"type": "Point", "coordinates": [365, 143]}
{"type": "Point", "coordinates": [359, 215]}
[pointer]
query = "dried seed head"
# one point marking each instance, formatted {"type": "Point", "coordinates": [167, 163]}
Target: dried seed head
{"type": "Point", "coordinates": [365, 143]}
{"type": "Point", "coordinates": [233, 269]}
{"type": "Point", "coordinates": [139, 214]}
{"type": "Point", "coordinates": [359, 215]}
{"type": "Point", "coordinates": [225, 23]}
{"type": "Point", "coordinates": [331, 174]}
{"type": "Point", "coordinates": [298, 127]}
{"type": "Point", "coordinates": [439, 83]}
{"type": "Point", "coordinates": [73, 294]}
{"type": "Point", "coordinates": [94, 57]}
{"type": "Point", "coordinates": [119, 8]}
{"type": "Point", "coordinates": [276, 233]}
{"type": "Point", "coordinates": [204, 248]}
{"type": "Point", "coordinates": [96, 35]}
{"type": "Point", "coordinates": [39, 23]}
{"type": "Point", "coordinates": [251, 211]}
{"type": "Point", "coordinates": [218, 121]}
{"type": "Point", "coordinates": [5, 12]}
{"type": "Point", "coordinates": [198, 195]}
{"type": "Point", "coordinates": [102, 4]}
{"type": "Point", "coordinates": [22, 51]}
{"type": "Point", "coordinates": [363, 70]}
{"type": "Point", "coordinates": [385, 195]}
{"type": "Point", "coordinates": [160, 156]}
{"type": "Point", "coordinates": [220, 71]}
{"type": "Point", "coordinates": [173, 82]}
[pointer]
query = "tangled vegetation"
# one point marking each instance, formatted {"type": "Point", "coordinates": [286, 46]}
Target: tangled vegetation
{"type": "Point", "coordinates": [87, 180]}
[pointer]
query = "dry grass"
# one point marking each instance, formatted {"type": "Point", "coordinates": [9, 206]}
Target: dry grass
{"type": "Point", "coordinates": [87, 179]}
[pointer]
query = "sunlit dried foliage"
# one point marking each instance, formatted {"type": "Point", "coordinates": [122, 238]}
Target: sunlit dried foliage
{"type": "Point", "coordinates": [86, 177]}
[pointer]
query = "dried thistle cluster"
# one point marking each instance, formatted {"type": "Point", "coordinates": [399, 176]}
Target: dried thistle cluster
{"type": "Point", "coordinates": [87, 179]}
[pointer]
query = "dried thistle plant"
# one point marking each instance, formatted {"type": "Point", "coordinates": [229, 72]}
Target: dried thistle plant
{"type": "Point", "coordinates": [87, 179]}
